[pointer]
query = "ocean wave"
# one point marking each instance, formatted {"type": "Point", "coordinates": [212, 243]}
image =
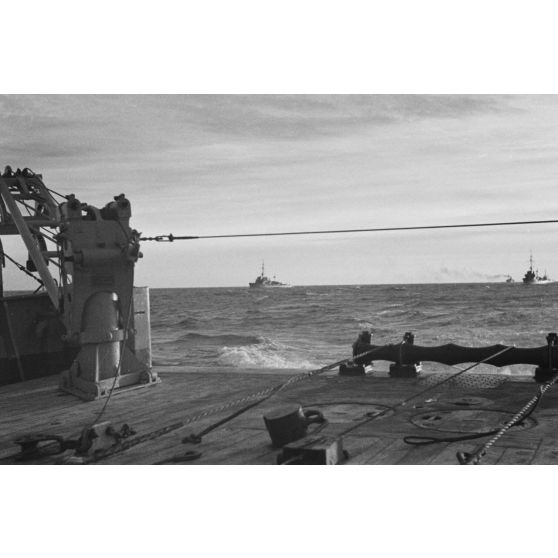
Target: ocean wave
{"type": "Point", "coordinates": [316, 323]}
{"type": "Point", "coordinates": [228, 339]}
{"type": "Point", "coordinates": [187, 322]}
{"type": "Point", "coordinates": [268, 354]}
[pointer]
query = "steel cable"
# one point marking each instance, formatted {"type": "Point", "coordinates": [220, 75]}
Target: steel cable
{"type": "Point", "coordinates": [475, 458]}
{"type": "Point", "coordinates": [172, 238]}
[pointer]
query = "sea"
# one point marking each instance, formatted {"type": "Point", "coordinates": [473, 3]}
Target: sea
{"type": "Point", "coordinates": [309, 327]}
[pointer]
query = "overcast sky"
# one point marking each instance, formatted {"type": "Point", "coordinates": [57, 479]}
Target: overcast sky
{"type": "Point", "coordinates": [205, 165]}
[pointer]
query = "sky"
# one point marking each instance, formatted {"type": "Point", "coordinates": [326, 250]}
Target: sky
{"type": "Point", "coordinates": [232, 164]}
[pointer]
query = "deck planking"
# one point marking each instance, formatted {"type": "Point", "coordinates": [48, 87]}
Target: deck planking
{"type": "Point", "coordinates": [38, 406]}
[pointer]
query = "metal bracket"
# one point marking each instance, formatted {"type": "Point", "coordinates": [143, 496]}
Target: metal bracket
{"type": "Point", "coordinates": [400, 370]}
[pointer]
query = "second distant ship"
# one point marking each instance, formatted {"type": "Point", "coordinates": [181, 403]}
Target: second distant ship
{"type": "Point", "coordinates": [532, 276]}
{"type": "Point", "coordinates": [263, 282]}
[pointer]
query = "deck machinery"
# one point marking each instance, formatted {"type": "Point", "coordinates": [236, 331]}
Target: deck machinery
{"type": "Point", "coordinates": [86, 320]}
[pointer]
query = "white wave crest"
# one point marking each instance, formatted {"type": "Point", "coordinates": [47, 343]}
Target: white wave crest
{"type": "Point", "coordinates": [264, 355]}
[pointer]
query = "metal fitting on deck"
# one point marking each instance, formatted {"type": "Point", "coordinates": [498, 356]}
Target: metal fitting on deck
{"type": "Point", "coordinates": [401, 370]}
{"type": "Point", "coordinates": [544, 373]}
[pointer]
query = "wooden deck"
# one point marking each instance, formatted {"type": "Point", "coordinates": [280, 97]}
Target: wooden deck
{"type": "Point", "coordinates": [469, 405]}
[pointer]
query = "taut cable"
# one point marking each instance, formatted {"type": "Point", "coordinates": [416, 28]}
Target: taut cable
{"type": "Point", "coordinates": [172, 238]}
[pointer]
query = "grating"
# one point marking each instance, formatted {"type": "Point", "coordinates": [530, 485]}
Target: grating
{"type": "Point", "coordinates": [472, 381]}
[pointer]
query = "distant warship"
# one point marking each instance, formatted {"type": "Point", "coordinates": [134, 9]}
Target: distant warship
{"type": "Point", "coordinates": [532, 276]}
{"type": "Point", "coordinates": [263, 282]}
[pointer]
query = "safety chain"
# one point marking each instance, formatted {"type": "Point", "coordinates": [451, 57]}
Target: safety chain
{"type": "Point", "coordinates": [475, 458]}
{"type": "Point", "coordinates": [263, 394]}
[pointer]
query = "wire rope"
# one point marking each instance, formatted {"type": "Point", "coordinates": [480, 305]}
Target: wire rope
{"type": "Point", "coordinates": [172, 238]}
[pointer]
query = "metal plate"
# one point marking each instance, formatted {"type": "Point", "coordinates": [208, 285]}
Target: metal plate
{"type": "Point", "coordinates": [467, 420]}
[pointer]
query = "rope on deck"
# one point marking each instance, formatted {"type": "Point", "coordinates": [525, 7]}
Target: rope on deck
{"type": "Point", "coordinates": [475, 457]}
{"type": "Point", "coordinates": [260, 397]}
{"type": "Point", "coordinates": [422, 392]}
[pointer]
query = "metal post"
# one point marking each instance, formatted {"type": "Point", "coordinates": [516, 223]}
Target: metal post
{"type": "Point", "coordinates": [544, 373]}
{"type": "Point", "coordinates": [401, 370]}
